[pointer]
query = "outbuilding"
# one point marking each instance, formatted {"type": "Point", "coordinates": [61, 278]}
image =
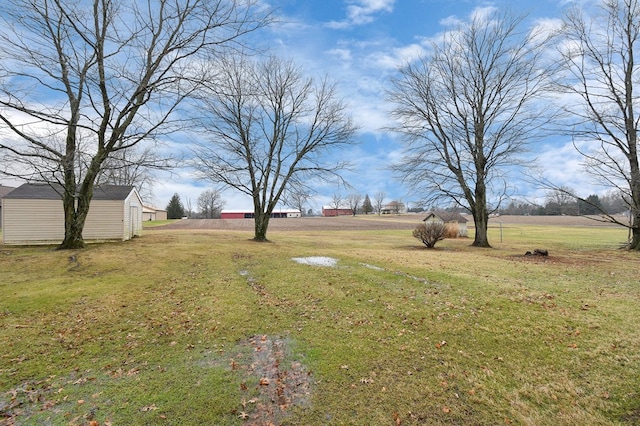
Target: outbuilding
{"type": "Point", "coordinates": [328, 211]}
{"type": "Point", "coordinates": [152, 213]}
{"type": "Point", "coordinates": [450, 219]}
{"type": "Point", "coordinates": [33, 214]}
{"type": "Point", "coordinates": [250, 214]}
{"type": "Point", "coordinates": [4, 190]}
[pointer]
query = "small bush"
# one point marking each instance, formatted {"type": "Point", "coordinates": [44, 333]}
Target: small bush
{"type": "Point", "coordinates": [430, 233]}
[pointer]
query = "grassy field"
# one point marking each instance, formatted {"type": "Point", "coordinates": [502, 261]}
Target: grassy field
{"type": "Point", "coordinates": [208, 327]}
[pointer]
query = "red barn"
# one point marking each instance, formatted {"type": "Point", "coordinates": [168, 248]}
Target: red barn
{"type": "Point", "coordinates": [331, 211]}
{"type": "Point", "coordinates": [249, 214]}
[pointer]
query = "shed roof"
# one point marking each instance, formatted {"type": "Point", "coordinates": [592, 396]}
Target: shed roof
{"type": "Point", "coordinates": [4, 190]}
{"type": "Point", "coordinates": [44, 191]}
{"type": "Point", "coordinates": [447, 217]}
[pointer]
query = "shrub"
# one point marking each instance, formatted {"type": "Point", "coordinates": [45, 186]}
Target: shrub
{"type": "Point", "coordinates": [451, 230]}
{"type": "Point", "coordinates": [430, 233]}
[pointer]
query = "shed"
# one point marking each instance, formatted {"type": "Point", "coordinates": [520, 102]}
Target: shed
{"type": "Point", "coordinates": [152, 213]}
{"type": "Point", "coordinates": [33, 214]}
{"type": "Point", "coordinates": [452, 218]}
{"type": "Point", "coordinates": [4, 190]}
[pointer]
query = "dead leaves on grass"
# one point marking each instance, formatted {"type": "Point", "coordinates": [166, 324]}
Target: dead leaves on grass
{"type": "Point", "coordinates": [280, 382]}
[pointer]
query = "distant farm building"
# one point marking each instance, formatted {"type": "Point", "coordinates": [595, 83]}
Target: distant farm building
{"type": "Point", "coordinates": [394, 207]}
{"type": "Point", "coordinates": [33, 214]}
{"type": "Point", "coordinates": [332, 211]}
{"type": "Point", "coordinates": [450, 219]}
{"type": "Point", "coordinates": [151, 213]}
{"type": "Point", "coordinates": [4, 190]}
{"type": "Point", "coordinates": [249, 214]}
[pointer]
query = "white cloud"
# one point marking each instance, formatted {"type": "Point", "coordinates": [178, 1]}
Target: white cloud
{"type": "Point", "coordinates": [395, 57]}
{"type": "Point", "coordinates": [343, 55]}
{"type": "Point", "coordinates": [362, 12]}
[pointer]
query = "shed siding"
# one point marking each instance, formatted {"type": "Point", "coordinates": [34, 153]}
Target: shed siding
{"type": "Point", "coordinates": [33, 221]}
{"type": "Point", "coordinates": [104, 221]}
{"type": "Point", "coordinates": [41, 221]}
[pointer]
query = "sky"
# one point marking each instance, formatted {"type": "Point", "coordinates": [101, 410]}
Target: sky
{"type": "Point", "coordinates": [359, 44]}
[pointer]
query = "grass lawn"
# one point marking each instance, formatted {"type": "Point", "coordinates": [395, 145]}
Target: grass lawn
{"type": "Point", "coordinates": [209, 327]}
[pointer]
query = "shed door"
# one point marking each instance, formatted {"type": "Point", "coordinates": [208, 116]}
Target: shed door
{"type": "Point", "coordinates": [133, 221]}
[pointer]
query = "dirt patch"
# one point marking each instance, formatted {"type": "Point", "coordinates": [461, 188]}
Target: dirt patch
{"type": "Point", "coordinates": [342, 223]}
{"type": "Point", "coordinates": [373, 222]}
{"type": "Point", "coordinates": [272, 383]}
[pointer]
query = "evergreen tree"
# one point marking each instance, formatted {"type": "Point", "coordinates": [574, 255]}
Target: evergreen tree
{"type": "Point", "coordinates": [175, 209]}
{"type": "Point", "coordinates": [367, 207]}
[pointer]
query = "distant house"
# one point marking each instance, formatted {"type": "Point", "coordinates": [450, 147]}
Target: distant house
{"type": "Point", "coordinates": [394, 207]}
{"type": "Point", "coordinates": [151, 213]}
{"type": "Point", "coordinates": [33, 214]}
{"type": "Point", "coordinates": [4, 190]}
{"type": "Point", "coordinates": [449, 218]}
{"type": "Point", "coordinates": [249, 214]}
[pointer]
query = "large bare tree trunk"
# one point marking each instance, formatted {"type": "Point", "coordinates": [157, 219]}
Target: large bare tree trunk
{"type": "Point", "coordinates": [269, 128]}
{"type": "Point", "coordinates": [261, 225]}
{"type": "Point", "coordinates": [601, 70]}
{"type": "Point", "coordinates": [468, 110]}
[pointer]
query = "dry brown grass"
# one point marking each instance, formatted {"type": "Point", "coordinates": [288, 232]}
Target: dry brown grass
{"type": "Point", "coordinates": [181, 326]}
{"type": "Point", "coordinates": [374, 222]}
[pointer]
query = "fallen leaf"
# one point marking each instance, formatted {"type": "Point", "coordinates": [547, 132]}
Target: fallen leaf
{"type": "Point", "coordinates": [264, 381]}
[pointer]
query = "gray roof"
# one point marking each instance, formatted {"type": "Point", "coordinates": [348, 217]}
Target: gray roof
{"type": "Point", "coordinates": [44, 191]}
{"type": "Point", "coordinates": [4, 190]}
{"type": "Point", "coordinates": [447, 217]}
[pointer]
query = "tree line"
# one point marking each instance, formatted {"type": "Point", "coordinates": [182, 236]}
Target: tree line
{"type": "Point", "coordinates": [209, 206]}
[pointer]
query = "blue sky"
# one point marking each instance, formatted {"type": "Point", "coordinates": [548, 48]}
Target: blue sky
{"type": "Point", "coordinates": [359, 44]}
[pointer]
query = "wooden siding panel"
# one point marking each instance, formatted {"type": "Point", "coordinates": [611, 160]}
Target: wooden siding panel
{"type": "Point", "coordinates": [33, 221]}
{"type": "Point", "coordinates": [104, 221]}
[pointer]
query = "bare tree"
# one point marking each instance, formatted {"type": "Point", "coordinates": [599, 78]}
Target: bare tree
{"type": "Point", "coordinates": [108, 72]}
{"type": "Point", "coordinates": [210, 203]}
{"type": "Point", "coordinates": [560, 202]}
{"type": "Point", "coordinates": [336, 202]}
{"type": "Point", "coordinates": [602, 75]}
{"type": "Point", "coordinates": [133, 167]}
{"type": "Point", "coordinates": [467, 111]}
{"type": "Point", "coordinates": [270, 128]}
{"type": "Point", "coordinates": [354, 200]}
{"type": "Point", "coordinates": [378, 202]}
{"type": "Point", "coordinates": [297, 200]}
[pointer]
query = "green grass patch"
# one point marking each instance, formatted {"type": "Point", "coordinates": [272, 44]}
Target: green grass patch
{"type": "Point", "coordinates": [209, 327]}
{"type": "Point", "coordinates": [156, 223]}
